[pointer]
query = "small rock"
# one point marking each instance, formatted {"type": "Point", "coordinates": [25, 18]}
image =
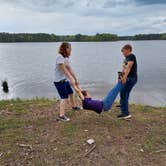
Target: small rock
{"type": "Point", "coordinates": [1, 154]}
{"type": "Point", "coordinates": [141, 150]}
{"type": "Point", "coordinates": [55, 149]}
{"type": "Point", "coordinates": [53, 140]}
{"type": "Point", "coordinates": [86, 130]}
{"type": "Point", "coordinates": [8, 152]}
{"type": "Point", "coordinates": [90, 141]}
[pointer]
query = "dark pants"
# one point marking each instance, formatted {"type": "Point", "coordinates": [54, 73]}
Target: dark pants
{"type": "Point", "coordinates": [125, 93]}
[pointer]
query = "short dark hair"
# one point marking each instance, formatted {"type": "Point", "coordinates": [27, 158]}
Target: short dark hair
{"type": "Point", "coordinates": [84, 92]}
{"type": "Point", "coordinates": [127, 47]}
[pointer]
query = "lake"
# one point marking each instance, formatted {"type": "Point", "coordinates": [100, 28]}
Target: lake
{"type": "Point", "coordinates": [29, 69]}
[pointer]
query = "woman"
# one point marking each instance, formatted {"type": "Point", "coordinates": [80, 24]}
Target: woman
{"type": "Point", "coordinates": [64, 79]}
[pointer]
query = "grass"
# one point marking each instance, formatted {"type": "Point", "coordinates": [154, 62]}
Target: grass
{"type": "Point", "coordinates": [30, 135]}
{"type": "Point", "coordinates": [70, 130]}
{"type": "Point", "coordinates": [7, 124]}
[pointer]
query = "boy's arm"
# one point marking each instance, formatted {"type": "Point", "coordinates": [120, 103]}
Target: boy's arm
{"type": "Point", "coordinates": [123, 68]}
{"type": "Point", "coordinates": [127, 71]}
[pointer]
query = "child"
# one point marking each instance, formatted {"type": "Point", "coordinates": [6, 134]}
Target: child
{"type": "Point", "coordinates": [99, 105]}
{"type": "Point", "coordinates": [129, 79]}
{"type": "Point", "coordinates": [64, 78]}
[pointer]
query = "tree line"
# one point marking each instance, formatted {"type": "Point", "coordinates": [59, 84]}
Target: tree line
{"type": "Point", "coordinates": [43, 37]}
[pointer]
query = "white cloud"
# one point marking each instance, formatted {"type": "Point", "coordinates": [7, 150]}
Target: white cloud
{"type": "Point", "coordinates": [85, 16]}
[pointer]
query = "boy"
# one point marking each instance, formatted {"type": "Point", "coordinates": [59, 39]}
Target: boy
{"type": "Point", "coordinates": [129, 79]}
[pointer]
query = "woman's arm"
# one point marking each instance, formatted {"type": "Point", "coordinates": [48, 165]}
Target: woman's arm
{"type": "Point", "coordinates": [78, 91]}
{"type": "Point", "coordinates": [72, 81]}
{"type": "Point", "coordinates": [73, 74]}
{"type": "Point", "coordinates": [67, 73]}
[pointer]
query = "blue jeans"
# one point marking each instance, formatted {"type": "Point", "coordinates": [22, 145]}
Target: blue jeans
{"type": "Point", "coordinates": [125, 93]}
{"type": "Point", "coordinates": [111, 96]}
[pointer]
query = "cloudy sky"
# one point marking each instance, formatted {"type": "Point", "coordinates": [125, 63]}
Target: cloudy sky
{"type": "Point", "coordinates": [122, 17]}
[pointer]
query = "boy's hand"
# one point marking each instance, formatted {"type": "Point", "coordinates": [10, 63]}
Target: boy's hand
{"type": "Point", "coordinates": [124, 79]}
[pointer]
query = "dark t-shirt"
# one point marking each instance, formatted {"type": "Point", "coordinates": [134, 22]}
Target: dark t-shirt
{"type": "Point", "coordinates": [133, 71]}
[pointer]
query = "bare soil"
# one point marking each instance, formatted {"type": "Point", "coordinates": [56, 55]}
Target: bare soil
{"type": "Point", "coordinates": [30, 135]}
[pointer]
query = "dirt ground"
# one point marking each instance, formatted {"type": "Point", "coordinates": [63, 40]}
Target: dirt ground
{"type": "Point", "coordinates": [31, 135]}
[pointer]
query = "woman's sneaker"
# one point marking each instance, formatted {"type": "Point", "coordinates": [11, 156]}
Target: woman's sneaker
{"type": "Point", "coordinates": [63, 118]}
{"type": "Point", "coordinates": [124, 116]}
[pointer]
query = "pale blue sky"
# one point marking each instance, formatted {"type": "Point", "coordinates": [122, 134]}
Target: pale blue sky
{"type": "Point", "coordinates": [122, 17]}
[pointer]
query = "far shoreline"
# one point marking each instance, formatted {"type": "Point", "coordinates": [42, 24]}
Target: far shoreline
{"type": "Point", "coordinates": [98, 37]}
{"type": "Point", "coordinates": [82, 41]}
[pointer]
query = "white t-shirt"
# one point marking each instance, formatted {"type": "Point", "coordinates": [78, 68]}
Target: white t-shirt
{"type": "Point", "coordinates": [59, 74]}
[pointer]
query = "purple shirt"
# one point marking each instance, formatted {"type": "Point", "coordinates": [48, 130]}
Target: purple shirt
{"type": "Point", "coordinates": [89, 104]}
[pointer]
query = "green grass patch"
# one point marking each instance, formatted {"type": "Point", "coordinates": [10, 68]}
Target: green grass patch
{"type": "Point", "coordinates": [70, 129]}
{"type": "Point", "coordinates": [154, 142]}
{"type": "Point", "coordinates": [149, 144]}
{"type": "Point", "coordinates": [6, 124]}
{"type": "Point", "coordinates": [142, 108]}
{"type": "Point", "coordinates": [18, 103]}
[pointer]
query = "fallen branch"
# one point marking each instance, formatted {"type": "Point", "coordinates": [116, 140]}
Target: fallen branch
{"type": "Point", "coordinates": [25, 146]}
{"type": "Point", "coordinates": [90, 150]}
{"type": "Point", "coordinates": [80, 156]}
{"type": "Point", "coordinates": [162, 150]}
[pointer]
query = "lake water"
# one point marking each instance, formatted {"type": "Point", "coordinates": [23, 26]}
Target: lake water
{"type": "Point", "coordinates": [29, 69]}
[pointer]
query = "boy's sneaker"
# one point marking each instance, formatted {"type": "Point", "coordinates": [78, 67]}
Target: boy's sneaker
{"type": "Point", "coordinates": [123, 116]}
{"type": "Point", "coordinates": [76, 108]}
{"type": "Point", "coordinates": [63, 118]}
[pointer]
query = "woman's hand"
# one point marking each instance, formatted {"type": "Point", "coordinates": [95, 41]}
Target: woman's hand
{"type": "Point", "coordinates": [72, 82]}
{"type": "Point", "coordinates": [76, 83]}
